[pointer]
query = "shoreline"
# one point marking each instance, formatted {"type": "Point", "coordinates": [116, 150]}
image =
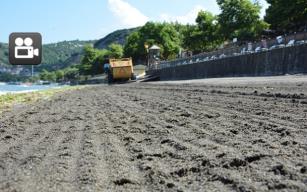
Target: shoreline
{"type": "Point", "coordinates": [30, 90]}
{"type": "Point", "coordinates": [9, 99]}
{"type": "Point", "coordinates": [6, 88]}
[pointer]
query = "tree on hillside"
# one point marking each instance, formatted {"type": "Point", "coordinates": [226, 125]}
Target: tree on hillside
{"type": "Point", "coordinates": [287, 15]}
{"type": "Point", "coordinates": [59, 75]}
{"type": "Point", "coordinates": [132, 47]}
{"type": "Point", "coordinates": [169, 41]}
{"type": "Point", "coordinates": [94, 59]}
{"type": "Point", "coordinates": [90, 56]}
{"type": "Point", "coordinates": [48, 76]}
{"type": "Point", "coordinates": [7, 77]}
{"type": "Point", "coordinates": [162, 34]}
{"type": "Point", "coordinates": [71, 73]}
{"type": "Point", "coordinates": [240, 19]}
{"type": "Point", "coordinates": [180, 28]}
{"type": "Point", "coordinates": [115, 51]}
{"type": "Point", "coordinates": [203, 36]}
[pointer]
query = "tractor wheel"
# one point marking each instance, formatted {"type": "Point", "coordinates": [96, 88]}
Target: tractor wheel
{"type": "Point", "coordinates": [110, 78]}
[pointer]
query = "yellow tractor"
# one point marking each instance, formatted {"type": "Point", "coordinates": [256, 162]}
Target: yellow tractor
{"type": "Point", "coordinates": [119, 70]}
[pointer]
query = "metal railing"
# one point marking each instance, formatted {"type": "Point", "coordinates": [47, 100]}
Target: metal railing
{"type": "Point", "coordinates": [264, 45]}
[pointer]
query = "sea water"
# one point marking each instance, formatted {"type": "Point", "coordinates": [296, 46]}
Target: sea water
{"type": "Point", "coordinates": [7, 88]}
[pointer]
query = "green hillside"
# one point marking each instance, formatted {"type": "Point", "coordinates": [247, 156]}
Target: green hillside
{"type": "Point", "coordinates": [63, 54]}
{"type": "Point", "coordinates": [54, 54]}
{"type": "Point", "coordinates": [118, 37]}
{"type": "Point", "coordinates": [3, 54]}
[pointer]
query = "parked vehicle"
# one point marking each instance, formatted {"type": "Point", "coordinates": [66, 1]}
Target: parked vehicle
{"type": "Point", "coordinates": [120, 70]}
{"type": "Point", "coordinates": [291, 43]}
{"type": "Point", "coordinates": [258, 49]}
{"type": "Point", "coordinates": [222, 56]}
{"type": "Point", "coordinates": [273, 47]}
{"type": "Point", "coordinates": [300, 42]}
{"type": "Point", "coordinates": [281, 46]}
{"type": "Point", "coordinates": [213, 57]}
{"type": "Point", "coordinates": [264, 49]}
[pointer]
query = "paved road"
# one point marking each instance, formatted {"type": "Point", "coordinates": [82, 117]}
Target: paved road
{"type": "Point", "coordinates": [159, 137]}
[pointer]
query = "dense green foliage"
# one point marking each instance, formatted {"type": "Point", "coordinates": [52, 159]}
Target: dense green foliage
{"type": "Point", "coordinates": [162, 34]}
{"type": "Point", "coordinates": [115, 51]}
{"type": "Point", "coordinates": [204, 35]}
{"type": "Point", "coordinates": [7, 77]}
{"type": "Point", "coordinates": [4, 54]}
{"type": "Point", "coordinates": [91, 63]}
{"type": "Point", "coordinates": [240, 19]}
{"type": "Point", "coordinates": [287, 15]}
{"type": "Point", "coordinates": [94, 59]}
{"type": "Point", "coordinates": [56, 55]}
{"type": "Point", "coordinates": [67, 74]}
{"type": "Point", "coordinates": [48, 76]}
{"type": "Point", "coordinates": [90, 56]}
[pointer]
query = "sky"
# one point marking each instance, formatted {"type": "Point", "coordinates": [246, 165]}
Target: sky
{"type": "Point", "coordinates": [59, 20]}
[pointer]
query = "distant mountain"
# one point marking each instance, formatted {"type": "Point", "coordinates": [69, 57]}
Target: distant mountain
{"type": "Point", "coordinates": [4, 54]}
{"type": "Point", "coordinates": [59, 55]}
{"type": "Point", "coordinates": [63, 54]}
{"type": "Point", "coordinates": [118, 37]}
{"type": "Point", "coordinates": [54, 54]}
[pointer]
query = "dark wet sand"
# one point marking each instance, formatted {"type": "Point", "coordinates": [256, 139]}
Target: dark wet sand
{"type": "Point", "coordinates": [159, 137]}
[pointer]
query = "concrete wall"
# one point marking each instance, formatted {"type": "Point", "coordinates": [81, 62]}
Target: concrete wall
{"type": "Point", "coordinates": [290, 60]}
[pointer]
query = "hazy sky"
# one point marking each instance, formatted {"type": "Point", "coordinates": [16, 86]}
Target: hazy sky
{"type": "Point", "coordinates": [59, 20]}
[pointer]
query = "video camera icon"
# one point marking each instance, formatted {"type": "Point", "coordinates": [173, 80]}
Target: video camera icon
{"type": "Point", "coordinates": [25, 48]}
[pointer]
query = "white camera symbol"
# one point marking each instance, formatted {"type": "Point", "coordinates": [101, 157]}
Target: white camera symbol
{"type": "Point", "coordinates": [27, 51]}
